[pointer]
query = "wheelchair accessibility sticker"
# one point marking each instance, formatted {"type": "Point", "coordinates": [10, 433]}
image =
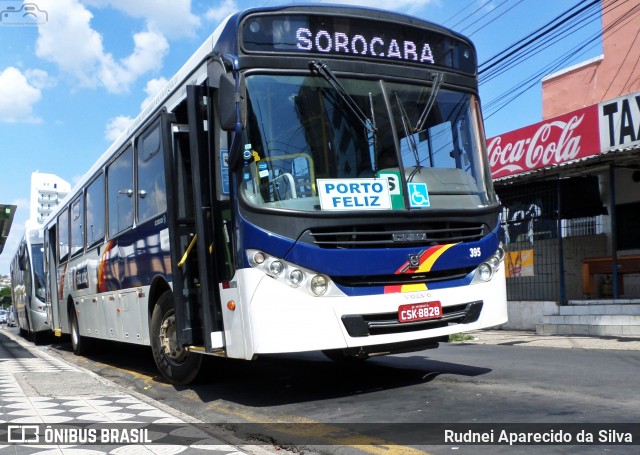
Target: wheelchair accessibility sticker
{"type": "Point", "coordinates": [418, 195]}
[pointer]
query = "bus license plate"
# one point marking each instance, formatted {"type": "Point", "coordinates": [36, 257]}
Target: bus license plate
{"type": "Point", "coordinates": [419, 311]}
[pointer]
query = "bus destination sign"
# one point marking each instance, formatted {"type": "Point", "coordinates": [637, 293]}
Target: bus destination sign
{"type": "Point", "coordinates": [324, 42]}
{"type": "Point", "coordinates": [355, 37]}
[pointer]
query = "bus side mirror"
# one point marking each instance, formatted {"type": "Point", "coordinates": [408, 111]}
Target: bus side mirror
{"type": "Point", "coordinates": [229, 101]}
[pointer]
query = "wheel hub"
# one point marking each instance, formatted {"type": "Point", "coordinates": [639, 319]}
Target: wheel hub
{"type": "Point", "coordinates": [171, 348]}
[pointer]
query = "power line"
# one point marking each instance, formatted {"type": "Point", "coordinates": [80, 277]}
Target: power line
{"type": "Point", "coordinates": [483, 16]}
{"type": "Point", "coordinates": [464, 8]}
{"type": "Point", "coordinates": [533, 37]}
{"type": "Point", "coordinates": [513, 5]}
{"type": "Point", "coordinates": [538, 47]}
{"type": "Point", "coordinates": [522, 87]}
{"type": "Point", "coordinates": [472, 13]}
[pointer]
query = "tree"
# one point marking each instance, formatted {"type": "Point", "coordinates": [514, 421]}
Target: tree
{"type": "Point", "coordinates": [5, 297]}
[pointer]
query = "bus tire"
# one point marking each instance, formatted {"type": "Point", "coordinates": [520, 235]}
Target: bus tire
{"type": "Point", "coordinates": [176, 364]}
{"type": "Point", "coordinates": [80, 344]}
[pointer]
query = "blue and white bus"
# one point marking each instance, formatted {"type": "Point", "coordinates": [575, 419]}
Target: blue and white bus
{"type": "Point", "coordinates": [28, 284]}
{"type": "Point", "coordinates": [314, 178]}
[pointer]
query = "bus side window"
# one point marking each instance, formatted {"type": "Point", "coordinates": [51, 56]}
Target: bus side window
{"type": "Point", "coordinates": [95, 211]}
{"type": "Point", "coordinates": [77, 225]}
{"type": "Point", "coordinates": [63, 239]}
{"type": "Point", "coordinates": [152, 195]}
{"type": "Point", "coordinates": [120, 193]}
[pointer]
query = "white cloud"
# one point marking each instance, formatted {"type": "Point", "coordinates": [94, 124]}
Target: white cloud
{"type": "Point", "coordinates": [152, 88]}
{"type": "Point", "coordinates": [40, 79]}
{"type": "Point", "coordinates": [220, 12]}
{"type": "Point", "coordinates": [69, 41]}
{"type": "Point", "coordinates": [116, 126]}
{"type": "Point", "coordinates": [149, 51]}
{"type": "Point", "coordinates": [17, 97]}
{"type": "Point", "coordinates": [173, 18]}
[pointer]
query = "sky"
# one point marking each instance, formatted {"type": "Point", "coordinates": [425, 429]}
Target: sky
{"type": "Point", "coordinates": [70, 84]}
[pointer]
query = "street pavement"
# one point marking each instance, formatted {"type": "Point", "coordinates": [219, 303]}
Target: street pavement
{"type": "Point", "coordinates": [48, 406]}
{"type": "Point", "coordinates": [39, 391]}
{"type": "Point", "coordinates": [530, 338]}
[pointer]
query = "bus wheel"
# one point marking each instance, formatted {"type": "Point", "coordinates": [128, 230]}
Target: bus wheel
{"type": "Point", "coordinates": [175, 362]}
{"type": "Point", "coordinates": [79, 343]}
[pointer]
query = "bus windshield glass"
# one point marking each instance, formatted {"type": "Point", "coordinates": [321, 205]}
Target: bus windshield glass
{"type": "Point", "coordinates": [38, 270]}
{"type": "Point", "coordinates": [314, 145]}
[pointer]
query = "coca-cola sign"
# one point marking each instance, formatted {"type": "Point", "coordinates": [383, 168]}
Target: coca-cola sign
{"type": "Point", "coordinates": [554, 141]}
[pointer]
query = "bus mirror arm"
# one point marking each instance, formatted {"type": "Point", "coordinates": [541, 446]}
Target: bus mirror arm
{"type": "Point", "coordinates": [234, 149]}
{"type": "Point", "coordinates": [232, 108]}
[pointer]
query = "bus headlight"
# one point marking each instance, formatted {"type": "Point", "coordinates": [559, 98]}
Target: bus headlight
{"type": "Point", "coordinates": [314, 283]}
{"type": "Point", "coordinates": [319, 285]}
{"type": "Point", "coordinates": [494, 262]}
{"type": "Point", "coordinates": [258, 257]}
{"type": "Point", "coordinates": [488, 268]}
{"type": "Point", "coordinates": [276, 268]}
{"type": "Point", "coordinates": [485, 272]}
{"type": "Point", "coordinates": [295, 277]}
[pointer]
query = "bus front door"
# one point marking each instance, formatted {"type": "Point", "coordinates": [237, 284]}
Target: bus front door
{"type": "Point", "coordinates": [190, 191]}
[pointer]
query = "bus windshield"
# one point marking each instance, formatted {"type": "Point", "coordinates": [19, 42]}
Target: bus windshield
{"type": "Point", "coordinates": [38, 270]}
{"type": "Point", "coordinates": [305, 135]}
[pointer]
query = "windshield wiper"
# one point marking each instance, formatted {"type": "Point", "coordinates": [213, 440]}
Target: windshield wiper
{"type": "Point", "coordinates": [437, 80]}
{"type": "Point", "coordinates": [410, 131]}
{"type": "Point", "coordinates": [322, 69]}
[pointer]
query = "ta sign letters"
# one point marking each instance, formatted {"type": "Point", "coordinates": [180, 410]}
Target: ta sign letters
{"type": "Point", "coordinates": [620, 122]}
{"type": "Point", "coordinates": [354, 194]}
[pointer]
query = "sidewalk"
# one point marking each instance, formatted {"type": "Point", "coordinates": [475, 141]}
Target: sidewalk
{"type": "Point", "coordinates": [59, 407]}
{"type": "Point", "coordinates": [530, 338]}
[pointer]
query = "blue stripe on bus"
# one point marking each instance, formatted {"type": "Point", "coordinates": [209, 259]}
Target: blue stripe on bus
{"type": "Point", "coordinates": [358, 262]}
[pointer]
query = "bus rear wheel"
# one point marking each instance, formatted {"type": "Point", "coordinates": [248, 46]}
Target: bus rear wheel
{"type": "Point", "coordinates": [174, 361]}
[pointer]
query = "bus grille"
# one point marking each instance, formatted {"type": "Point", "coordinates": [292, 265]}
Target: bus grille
{"type": "Point", "coordinates": [362, 325]}
{"type": "Point", "coordinates": [380, 236]}
{"type": "Point", "coordinates": [403, 278]}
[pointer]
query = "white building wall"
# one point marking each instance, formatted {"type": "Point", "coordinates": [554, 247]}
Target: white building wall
{"type": "Point", "coordinates": [47, 190]}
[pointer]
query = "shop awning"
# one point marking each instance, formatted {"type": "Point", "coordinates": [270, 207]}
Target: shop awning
{"type": "Point", "coordinates": [6, 219]}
